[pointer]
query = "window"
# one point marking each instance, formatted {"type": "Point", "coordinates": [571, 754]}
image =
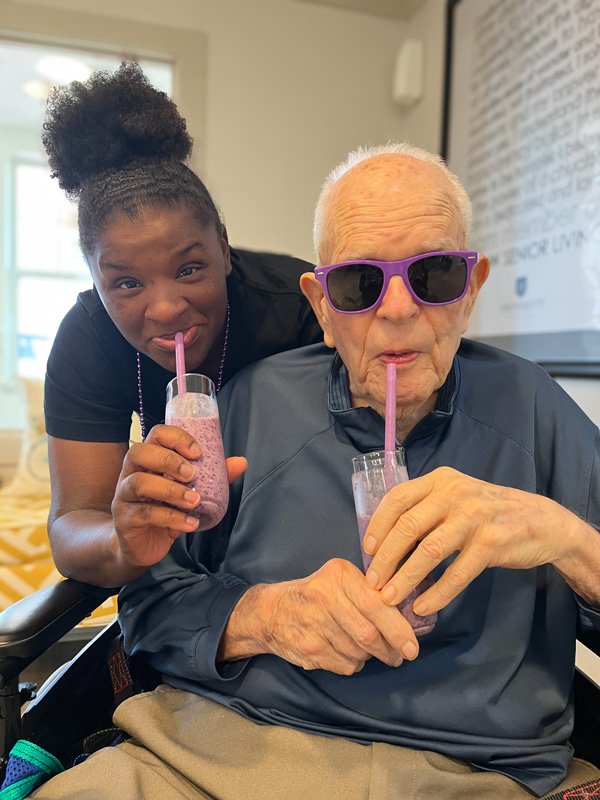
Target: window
{"type": "Point", "coordinates": [48, 266]}
{"type": "Point", "coordinates": [43, 269]}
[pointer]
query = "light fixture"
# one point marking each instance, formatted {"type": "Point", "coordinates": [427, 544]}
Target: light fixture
{"type": "Point", "coordinates": [39, 90]}
{"type": "Point", "coordinates": [408, 73]}
{"type": "Point", "coordinates": [63, 69]}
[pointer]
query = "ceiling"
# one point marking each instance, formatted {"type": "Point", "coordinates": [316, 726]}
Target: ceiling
{"type": "Point", "coordinates": [398, 9]}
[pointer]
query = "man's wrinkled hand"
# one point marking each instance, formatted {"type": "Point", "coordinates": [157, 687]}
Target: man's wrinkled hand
{"type": "Point", "coordinates": [446, 512]}
{"type": "Point", "coordinates": [330, 620]}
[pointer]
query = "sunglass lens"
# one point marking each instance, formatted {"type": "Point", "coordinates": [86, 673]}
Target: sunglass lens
{"type": "Point", "coordinates": [354, 287]}
{"type": "Point", "coordinates": [438, 279]}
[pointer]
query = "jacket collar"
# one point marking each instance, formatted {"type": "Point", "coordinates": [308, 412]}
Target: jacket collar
{"type": "Point", "coordinates": [364, 426]}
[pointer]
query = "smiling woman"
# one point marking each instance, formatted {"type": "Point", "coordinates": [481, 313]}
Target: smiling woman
{"type": "Point", "coordinates": [161, 263]}
{"type": "Point", "coordinates": [160, 273]}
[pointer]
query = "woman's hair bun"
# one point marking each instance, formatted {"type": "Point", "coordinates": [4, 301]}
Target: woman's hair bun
{"type": "Point", "coordinates": [112, 121]}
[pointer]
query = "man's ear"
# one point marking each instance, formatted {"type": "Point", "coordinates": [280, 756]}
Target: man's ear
{"type": "Point", "coordinates": [313, 291]}
{"type": "Point", "coordinates": [225, 250]}
{"type": "Point", "coordinates": [479, 276]}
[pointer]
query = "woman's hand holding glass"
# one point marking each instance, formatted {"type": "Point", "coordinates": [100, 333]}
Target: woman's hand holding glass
{"type": "Point", "coordinates": [151, 498]}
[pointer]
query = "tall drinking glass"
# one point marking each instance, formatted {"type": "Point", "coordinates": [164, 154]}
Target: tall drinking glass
{"type": "Point", "coordinates": [374, 474]}
{"type": "Point", "coordinates": [192, 405]}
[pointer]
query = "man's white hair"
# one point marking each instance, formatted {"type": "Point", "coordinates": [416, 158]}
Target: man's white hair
{"type": "Point", "coordinates": [463, 204]}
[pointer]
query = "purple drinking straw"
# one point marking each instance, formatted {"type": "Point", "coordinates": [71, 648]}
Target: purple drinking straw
{"type": "Point", "coordinates": [180, 363]}
{"type": "Point", "coordinates": [390, 406]}
{"type": "Point", "coordinates": [390, 420]}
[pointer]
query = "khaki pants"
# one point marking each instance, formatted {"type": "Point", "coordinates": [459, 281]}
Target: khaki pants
{"type": "Point", "coordinates": [184, 746]}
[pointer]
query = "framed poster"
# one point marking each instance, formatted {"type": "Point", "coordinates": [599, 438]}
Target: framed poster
{"type": "Point", "coordinates": [522, 132]}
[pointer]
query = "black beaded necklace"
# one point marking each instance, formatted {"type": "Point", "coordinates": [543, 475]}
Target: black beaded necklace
{"type": "Point", "coordinates": [219, 378]}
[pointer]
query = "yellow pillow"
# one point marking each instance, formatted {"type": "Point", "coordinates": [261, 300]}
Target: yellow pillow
{"type": "Point", "coordinates": [32, 478]}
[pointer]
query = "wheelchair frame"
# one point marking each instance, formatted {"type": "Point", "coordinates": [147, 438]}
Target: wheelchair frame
{"type": "Point", "coordinates": [30, 626]}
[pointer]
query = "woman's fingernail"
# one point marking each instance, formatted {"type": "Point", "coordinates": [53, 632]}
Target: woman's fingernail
{"type": "Point", "coordinates": [196, 450]}
{"type": "Point", "coordinates": [192, 521]}
{"type": "Point", "coordinates": [369, 545]}
{"type": "Point", "coordinates": [186, 471]}
{"type": "Point", "coordinates": [372, 578]}
{"type": "Point", "coordinates": [191, 497]}
{"type": "Point", "coordinates": [389, 594]}
{"type": "Point", "coordinates": [410, 650]}
{"type": "Point", "coordinates": [397, 663]}
{"type": "Point", "coordinates": [420, 608]}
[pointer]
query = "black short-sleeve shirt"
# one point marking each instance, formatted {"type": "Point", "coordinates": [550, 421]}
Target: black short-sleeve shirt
{"type": "Point", "coordinates": [91, 386]}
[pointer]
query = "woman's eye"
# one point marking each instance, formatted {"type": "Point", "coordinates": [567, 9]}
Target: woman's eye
{"type": "Point", "coordinates": [185, 272]}
{"type": "Point", "coordinates": [128, 283]}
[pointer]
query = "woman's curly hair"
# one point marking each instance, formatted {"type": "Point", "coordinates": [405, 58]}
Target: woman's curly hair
{"type": "Point", "coordinates": [119, 145]}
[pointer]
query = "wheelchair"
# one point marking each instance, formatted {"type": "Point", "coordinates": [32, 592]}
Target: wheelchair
{"type": "Point", "coordinates": [79, 701]}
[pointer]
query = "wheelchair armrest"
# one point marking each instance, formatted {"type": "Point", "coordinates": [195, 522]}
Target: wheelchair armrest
{"type": "Point", "coordinates": [31, 625]}
{"type": "Point", "coordinates": [591, 639]}
{"type": "Point", "coordinates": [587, 698]}
{"type": "Point", "coordinates": [587, 661]}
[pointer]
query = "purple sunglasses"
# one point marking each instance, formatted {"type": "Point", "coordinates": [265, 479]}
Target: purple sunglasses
{"type": "Point", "coordinates": [433, 279]}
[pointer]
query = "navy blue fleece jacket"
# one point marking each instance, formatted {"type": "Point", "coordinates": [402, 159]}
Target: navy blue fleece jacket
{"type": "Point", "coordinates": [492, 683]}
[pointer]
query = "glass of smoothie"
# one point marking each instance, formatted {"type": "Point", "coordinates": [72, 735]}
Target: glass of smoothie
{"type": "Point", "coordinates": [374, 474]}
{"type": "Point", "coordinates": [192, 405]}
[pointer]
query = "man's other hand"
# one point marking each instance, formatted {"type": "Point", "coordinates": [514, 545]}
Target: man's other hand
{"type": "Point", "coordinates": [330, 620]}
{"type": "Point", "coordinates": [445, 512]}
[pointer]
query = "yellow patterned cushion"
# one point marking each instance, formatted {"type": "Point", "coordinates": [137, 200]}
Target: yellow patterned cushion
{"type": "Point", "coordinates": [32, 478]}
{"type": "Point", "coordinates": [23, 530]}
{"type": "Point", "coordinates": [24, 579]}
{"type": "Point", "coordinates": [25, 559]}
{"type": "Point", "coordinates": [21, 581]}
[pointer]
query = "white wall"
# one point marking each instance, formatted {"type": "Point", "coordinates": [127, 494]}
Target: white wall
{"type": "Point", "coordinates": [422, 123]}
{"type": "Point", "coordinates": [586, 392]}
{"type": "Point", "coordinates": [290, 87]}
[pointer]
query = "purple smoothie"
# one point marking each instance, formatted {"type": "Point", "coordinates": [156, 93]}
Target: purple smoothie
{"type": "Point", "coordinates": [420, 625]}
{"type": "Point", "coordinates": [210, 480]}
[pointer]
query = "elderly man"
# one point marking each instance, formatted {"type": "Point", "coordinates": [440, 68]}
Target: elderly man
{"type": "Point", "coordinates": [287, 672]}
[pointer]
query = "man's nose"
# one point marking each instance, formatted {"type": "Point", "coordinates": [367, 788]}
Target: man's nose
{"type": "Point", "coordinates": [165, 305]}
{"type": "Point", "coordinates": [397, 302]}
